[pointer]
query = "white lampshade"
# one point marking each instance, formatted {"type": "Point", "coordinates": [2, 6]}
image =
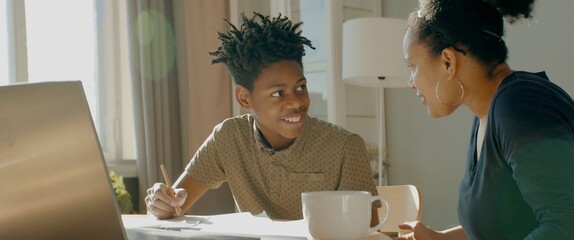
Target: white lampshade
{"type": "Point", "coordinates": [372, 49]}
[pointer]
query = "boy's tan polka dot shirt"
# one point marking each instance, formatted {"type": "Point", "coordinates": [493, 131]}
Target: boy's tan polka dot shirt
{"type": "Point", "coordinates": [323, 157]}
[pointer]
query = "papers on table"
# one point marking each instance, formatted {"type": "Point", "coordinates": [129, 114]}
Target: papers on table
{"type": "Point", "coordinates": [238, 225]}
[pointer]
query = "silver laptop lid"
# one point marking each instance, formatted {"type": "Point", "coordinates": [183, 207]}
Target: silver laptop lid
{"type": "Point", "coordinates": [53, 180]}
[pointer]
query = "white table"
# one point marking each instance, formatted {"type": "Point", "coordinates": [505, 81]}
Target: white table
{"type": "Point", "coordinates": [238, 226]}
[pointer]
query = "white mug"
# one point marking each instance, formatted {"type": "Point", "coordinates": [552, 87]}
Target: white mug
{"type": "Point", "coordinates": [340, 214]}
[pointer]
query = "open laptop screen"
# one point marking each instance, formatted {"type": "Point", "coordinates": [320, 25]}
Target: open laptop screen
{"type": "Point", "coordinates": [53, 180]}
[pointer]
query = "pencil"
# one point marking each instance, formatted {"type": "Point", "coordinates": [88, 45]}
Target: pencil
{"type": "Point", "coordinates": [169, 189]}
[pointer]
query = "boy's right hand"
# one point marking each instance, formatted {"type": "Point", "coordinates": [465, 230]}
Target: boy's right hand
{"type": "Point", "coordinates": [160, 204]}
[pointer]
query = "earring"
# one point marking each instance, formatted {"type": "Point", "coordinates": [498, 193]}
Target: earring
{"type": "Point", "coordinates": [457, 101]}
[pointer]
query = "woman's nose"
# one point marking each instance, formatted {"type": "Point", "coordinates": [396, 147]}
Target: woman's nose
{"type": "Point", "coordinates": [411, 83]}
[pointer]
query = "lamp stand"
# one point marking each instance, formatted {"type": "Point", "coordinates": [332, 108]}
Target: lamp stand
{"type": "Point", "coordinates": [382, 133]}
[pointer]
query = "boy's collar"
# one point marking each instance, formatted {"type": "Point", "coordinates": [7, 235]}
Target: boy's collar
{"type": "Point", "coordinates": [260, 140]}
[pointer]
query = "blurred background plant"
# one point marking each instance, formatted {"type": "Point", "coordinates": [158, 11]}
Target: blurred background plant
{"type": "Point", "coordinates": [123, 196]}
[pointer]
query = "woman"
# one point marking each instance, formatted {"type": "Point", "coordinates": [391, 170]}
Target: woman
{"type": "Point", "coordinates": [518, 182]}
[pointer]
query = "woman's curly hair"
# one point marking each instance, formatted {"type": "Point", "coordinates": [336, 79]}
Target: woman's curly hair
{"type": "Point", "coordinates": [258, 44]}
{"type": "Point", "coordinates": [474, 27]}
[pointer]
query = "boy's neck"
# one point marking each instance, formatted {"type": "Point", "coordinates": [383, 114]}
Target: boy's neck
{"type": "Point", "coordinates": [272, 145]}
{"type": "Point", "coordinates": [267, 145]}
{"type": "Point", "coordinates": [264, 140]}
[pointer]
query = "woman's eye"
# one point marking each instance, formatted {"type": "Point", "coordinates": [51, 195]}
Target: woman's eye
{"type": "Point", "coordinates": [302, 88]}
{"type": "Point", "coordinates": [277, 94]}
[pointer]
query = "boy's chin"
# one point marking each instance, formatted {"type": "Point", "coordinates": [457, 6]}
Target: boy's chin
{"type": "Point", "coordinates": [292, 134]}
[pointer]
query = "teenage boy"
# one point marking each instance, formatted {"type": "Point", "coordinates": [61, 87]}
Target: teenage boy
{"type": "Point", "coordinates": [276, 151]}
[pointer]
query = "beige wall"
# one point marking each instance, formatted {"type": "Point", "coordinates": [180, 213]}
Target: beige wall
{"type": "Point", "coordinates": [431, 153]}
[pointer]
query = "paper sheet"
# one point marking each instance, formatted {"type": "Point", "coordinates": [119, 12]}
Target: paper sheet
{"type": "Point", "coordinates": [234, 224]}
{"type": "Point", "coordinates": [245, 223]}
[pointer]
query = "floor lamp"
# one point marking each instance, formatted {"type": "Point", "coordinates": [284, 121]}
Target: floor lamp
{"type": "Point", "coordinates": [373, 57]}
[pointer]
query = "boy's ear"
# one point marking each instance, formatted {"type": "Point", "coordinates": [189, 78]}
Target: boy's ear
{"type": "Point", "coordinates": [242, 96]}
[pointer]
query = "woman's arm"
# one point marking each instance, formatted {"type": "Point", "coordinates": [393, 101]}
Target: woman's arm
{"type": "Point", "coordinates": [419, 231]}
{"type": "Point", "coordinates": [535, 128]}
{"type": "Point", "coordinates": [454, 233]}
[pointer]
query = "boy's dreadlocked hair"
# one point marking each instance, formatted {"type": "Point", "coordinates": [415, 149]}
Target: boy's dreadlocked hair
{"type": "Point", "coordinates": [255, 46]}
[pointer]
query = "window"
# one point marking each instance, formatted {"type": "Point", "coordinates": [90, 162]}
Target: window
{"type": "Point", "coordinates": [75, 40]}
{"type": "Point", "coordinates": [4, 71]}
{"type": "Point", "coordinates": [61, 44]}
{"type": "Point", "coordinates": [312, 14]}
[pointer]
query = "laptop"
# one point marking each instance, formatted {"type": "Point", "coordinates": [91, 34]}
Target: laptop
{"type": "Point", "coordinates": [54, 183]}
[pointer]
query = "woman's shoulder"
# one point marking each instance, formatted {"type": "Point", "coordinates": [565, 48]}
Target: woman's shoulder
{"type": "Point", "coordinates": [526, 87]}
{"type": "Point", "coordinates": [522, 80]}
{"type": "Point", "coordinates": [524, 95]}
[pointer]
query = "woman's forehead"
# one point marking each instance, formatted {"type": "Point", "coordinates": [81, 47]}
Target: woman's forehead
{"type": "Point", "coordinates": [415, 50]}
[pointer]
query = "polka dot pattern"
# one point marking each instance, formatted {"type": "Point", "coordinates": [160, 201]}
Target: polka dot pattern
{"type": "Point", "coordinates": [324, 157]}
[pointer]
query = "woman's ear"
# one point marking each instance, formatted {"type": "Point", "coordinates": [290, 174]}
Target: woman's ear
{"type": "Point", "coordinates": [448, 59]}
{"type": "Point", "coordinates": [242, 96]}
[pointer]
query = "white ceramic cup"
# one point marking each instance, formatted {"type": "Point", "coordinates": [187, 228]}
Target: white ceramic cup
{"type": "Point", "coordinates": [340, 214]}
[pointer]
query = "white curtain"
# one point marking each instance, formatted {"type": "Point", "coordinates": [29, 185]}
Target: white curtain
{"type": "Point", "coordinates": [155, 90]}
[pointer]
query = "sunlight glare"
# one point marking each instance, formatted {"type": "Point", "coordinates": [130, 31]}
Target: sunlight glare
{"type": "Point", "coordinates": [61, 43]}
{"type": "Point", "coordinates": [4, 71]}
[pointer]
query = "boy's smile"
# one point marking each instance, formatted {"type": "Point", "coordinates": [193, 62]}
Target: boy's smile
{"type": "Point", "coordinates": [279, 102]}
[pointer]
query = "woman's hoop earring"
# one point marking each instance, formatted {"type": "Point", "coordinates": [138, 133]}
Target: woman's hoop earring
{"type": "Point", "coordinates": [457, 101]}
